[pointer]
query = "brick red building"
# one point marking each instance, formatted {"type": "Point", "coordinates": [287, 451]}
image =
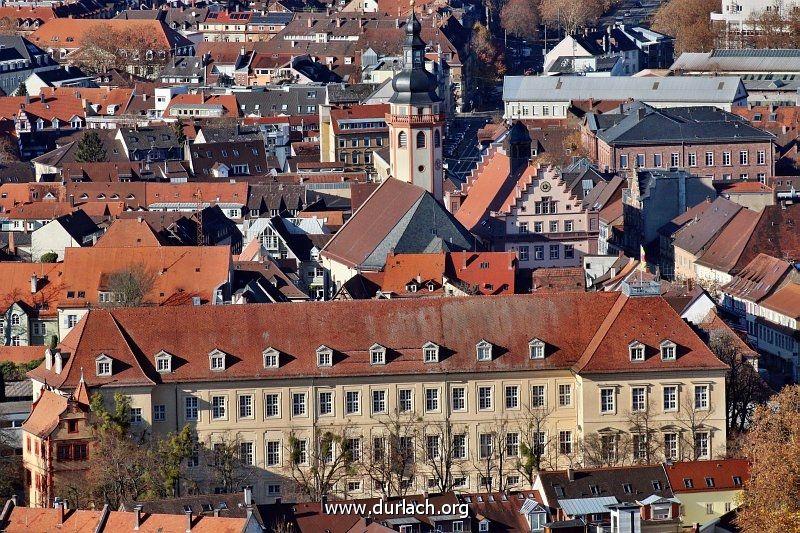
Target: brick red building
{"type": "Point", "coordinates": [706, 141]}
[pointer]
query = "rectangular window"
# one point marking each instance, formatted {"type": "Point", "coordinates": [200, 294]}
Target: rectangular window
{"type": "Point", "coordinates": [726, 159]}
{"type": "Point", "coordinates": [405, 401]}
{"type": "Point", "coordinates": [246, 455]}
{"type": "Point", "coordinates": [301, 451]}
{"type": "Point", "coordinates": [523, 227]}
{"type": "Point", "coordinates": [271, 405]}
{"type": "Point", "coordinates": [744, 157]}
{"type": "Point", "coordinates": [538, 253]}
{"type": "Point", "coordinates": [159, 413]}
{"type": "Point", "coordinates": [554, 251]}
{"type": "Point", "coordinates": [459, 399]}
{"type": "Point", "coordinates": [379, 401]}
{"type": "Point", "coordinates": [431, 400]}
{"type": "Point", "coordinates": [623, 161]}
{"type": "Point", "coordinates": [246, 406]}
{"type": "Point", "coordinates": [607, 400]}
{"type": "Point", "coordinates": [353, 448]}
{"type": "Point", "coordinates": [761, 157]}
{"type": "Point", "coordinates": [657, 160]}
{"type": "Point", "coordinates": [325, 403]}
{"type": "Point", "coordinates": [639, 447]}
{"type": "Point", "coordinates": [523, 253]}
{"type": "Point", "coordinates": [671, 445]}
{"type": "Point", "coordinates": [432, 446]}
{"type": "Point", "coordinates": [273, 452]}
{"type": "Point", "coordinates": [701, 445]}
{"type": "Point", "coordinates": [537, 396]}
{"type": "Point", "coordinates": [568, 225]}
{"type": "Point", "coordinates": [709, 159]}
{"type": "Point", "coordinates": [692, 159]}
{"type": "Point", "coordinates": [352, 402]}
{"type": "Point", "coordinates": [638, 398]}
{"type": "Point", "coordinates": [675, 159]}
{"type": "Point", "coordinates": [484, 398]}
{"type": "Point", "coordinates": [190, 408]}
{"type": "Point", "coordinates": [512, 444]}
{"type": "Point", "coordinates": [459, 446]}
{"type": "Point", "coordinates": [486, 445]}
{"type": "Point", "coordinates": [564, 395]}
{"type": "Point", "coordinates": [299, 404]}
{"type": "Point", "coordinates": [554, 226]}
{"type": "Point", "coordinates": [639, 160]}
{"type": "Point", "coordinates": [569, 251]}
{"type": "Point", "coordinates": [565, 442]}
{"type": "Point", "coordinates": [538, 227]}
{"type": "Point", "coordinates": [512, 396]}
{"type": "Point", "coordinates": [136, 415]}
{"type": "Point", "coordinates": [670, 398]}
{"type": "Point", "coordinates": [218, 407]}
{"type": "Point", "coordinates": [701, 397]}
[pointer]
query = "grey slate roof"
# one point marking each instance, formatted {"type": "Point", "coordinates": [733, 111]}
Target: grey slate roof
{"type": "Point", "coordinates": [688, 89]}
{"type": "Point", "coordinates": [697, 233]}
{"type": "Point", "coordinates": [183, 67]}
{"type": "Point", "coordinates": [642, 124]}
{"type": "Point", "coordinates": [157, 137]}
{"type": "Point", "coordinates": [751, 60]}
{"type": "Point", "coordinates": [271, 102]}
{"type": "Point", "coordinates": [281, 196]}
{"type": "Point", "coordinates": [610, 482]}
{"type": "Point", "coordinates": [61, 75]}
{"type": "Point", "coordinates": [343, 94]}
{"type": "Point", "coordinates": [78, 225]}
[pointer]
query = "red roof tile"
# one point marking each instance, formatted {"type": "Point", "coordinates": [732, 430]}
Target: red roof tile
{"type": "Point", "coordinates": [728, 247]}
{"type": "Point", "coordinates": [757, 278]}
{"type": "Point", "coordinates": [45, 413]}
{"type": "Point", "coordinates": [17, 281]}
{"type": "Point", "coordinates": [133, 336]}
{"type": "Point", "coordinates": [785, 301]}
{"type": "Point", "coordinates": [128, 233]}
{"type": "Point", "coordinates": [721, 471]}
{"type": "Point", "coordinates": [21, 354]}
{"type": "Point", "coordinates": [70, 33]}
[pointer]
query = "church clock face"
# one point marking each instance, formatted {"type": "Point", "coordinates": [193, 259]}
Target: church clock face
{"type": "Point", "coordinates": [545, 186]}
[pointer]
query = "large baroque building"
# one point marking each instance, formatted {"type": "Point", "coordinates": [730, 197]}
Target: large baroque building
{"type": "Point", "coordinates": [438, 365]}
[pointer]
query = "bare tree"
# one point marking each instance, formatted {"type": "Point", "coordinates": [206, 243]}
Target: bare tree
{"type": "Point", "coordinates": [319, 463]}
{"type": "Point", "coordinates": [534, 441]}
{"type": "Point", "coordinates": [571, 15]}
{"type": "Point", "coordinates": [691, 417]}
{"type": "Point", "coordinates": [226, 469]}
{"type": "Point", "coordinates": [689, 21]}
{"type": "Point", "coordinates": [130, 286]}
{"type": "Point", "coordinates": [491, 460]}
{"type": "Point", "coordinates": [521, 18]}
{"type": "Point", "coordinates": [389, 458]}
{"type": "Point", "coordinates": [606, 449]}
{"type": "Point", "coordinates": [438, 452]}
{"type": "Point", "coordinates": [644, 435]}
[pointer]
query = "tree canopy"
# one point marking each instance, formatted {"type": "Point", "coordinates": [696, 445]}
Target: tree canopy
{"type": "Point", "coordinates": [90, 148]}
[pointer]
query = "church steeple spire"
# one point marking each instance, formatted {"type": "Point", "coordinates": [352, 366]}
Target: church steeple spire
{"type": "Point", "coordinates": [414, 84]}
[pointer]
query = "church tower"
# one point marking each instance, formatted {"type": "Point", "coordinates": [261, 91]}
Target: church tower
{"type": "Point", "coordinates": [415, 119]}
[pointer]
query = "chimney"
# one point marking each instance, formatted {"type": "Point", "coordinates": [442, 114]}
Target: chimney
{"type": "Point", "coordinates": [60, 512]}
{"type": "Point", "coordinates": [34, 284]}
{"type": "Point", "coordinates": [48, 359]}
{"type": "Point", "coordinates": [188, 520]}
{"type": "Point", "coordinates": [216, 512]}
{"type": "Point", "coordinates": [12, 247]}
{"type": "Point", "coordinates": [571, 474]}
{"type": "Point", "coordinates": [72, 200]}
{"type": "Point", "coordinates": [137, 516]}
{"type": "Point", "coordinates": [248, 495]}
{"type": "Point", "coordinates": [310, 22]}
{"type": "Point", "coordinates": [58, 362]}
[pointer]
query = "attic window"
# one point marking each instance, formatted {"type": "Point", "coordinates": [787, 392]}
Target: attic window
{"type": "Point", "coordinates": [271, 358]}
{"type": "Point", "coordinates": [377, 354]}
{"type": "Point", "coordinates": [688, 483]}
{"type": "Point", "coordinates": [636, 351]}
{"type": "Point", "coordinates": [484, 349]}
{"type": "Point", "coordinates": [324, 356]}
{"type": "Point", "coordinates": [710, 482]}
{"type": "Point", "coordinates": [536, 349]}
{"type": "Point", "coordinates": [668, 350]}
{"type": "Point", "coordinates": [627, 488]}
{"type": "Point", "coordinates": [430, 352]}
{"type": "Point", "coordinates": [216, 361]}
{"type": "Point", "coordinates": [103, 366]}
{"type": "Point", "coordinates": [737, 481]}
{"type": "Point", "coordinates": [656, 484]}
{"type": "Point", "coordinates": [595, 489]}
{"type": "Point", "coordinates": [163, 362]}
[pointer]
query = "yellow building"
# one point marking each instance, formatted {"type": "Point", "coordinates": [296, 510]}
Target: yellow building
{"type": "Point", "coordinates": [470, 382]}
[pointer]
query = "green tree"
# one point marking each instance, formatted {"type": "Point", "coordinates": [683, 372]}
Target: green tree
{"type": "Point", "coordinates": [173, 451]}
{"type": "Point", "coordinates": [90, 148]}
{"type": "Point", "coordinates": [179, 133]}
{"type": "Point", "coordinates": [117, 421]}
{"type": "Point", "coordinates": [49, 257]}
{"type": "Point", "coordinates": [22, 89]}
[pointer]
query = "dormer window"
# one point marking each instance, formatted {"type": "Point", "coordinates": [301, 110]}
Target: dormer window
{"type": "Point", "coordinates": [324, 356]}
{"type": "Point", "coordinates": [103, 365]}
{"type": "Point", "coordinates": [430, 352]}
{"type": "Point", "coordinates": [484, 349]}
{"type": "Point", "coordinates": [163, 362]}
{"type": "Point", "coordinates": [536, 349]}
{"type": "Point", "coordinates": [636, 351]}
{"type": "Point", "coordinates": [377, 354]}
{"type": "Point", "coordinates": [217, 360]}
{"type": "Point", "coordinates": [411, 287]}
{"type": "Point", "coordinates": [271, 358]}
{"type": "Point", "coordinates": [668, 350]}
{"type": "Point", "coordinates": [431, 286]}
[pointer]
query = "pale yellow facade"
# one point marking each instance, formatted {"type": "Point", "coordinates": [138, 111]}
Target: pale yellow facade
{"type": "Point", "coordinates": [572, 404]}
{"type": "Point", "coordinates": [702, 507]}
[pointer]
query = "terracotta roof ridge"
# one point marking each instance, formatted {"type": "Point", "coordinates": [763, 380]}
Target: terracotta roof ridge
{"type": "Point", "coordinates": [601, 332]}
{"type": "Point", "coordinates": [128, 341]}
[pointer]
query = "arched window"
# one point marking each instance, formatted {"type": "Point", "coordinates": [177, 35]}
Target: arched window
{"type": "Point", "coordinates": [402, 139]}
{"type": "Point", "coordinates": [421, 140]}
{"type": "Point", "coordinates": [437, 139]}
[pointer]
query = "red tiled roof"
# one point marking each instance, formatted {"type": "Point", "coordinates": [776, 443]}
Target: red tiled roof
{"type": "Point", "coordinates": [45, 414]}
{"type": "Point", "coordinates": [785, 301]}
{"type": "Point", "coordinates": [729, 245]}
{"type": "Point", "coordinates": [64, 107]}
{"type": "Point", "coordinates": [128, 233]}
{"type": "Point", "coordinates": [12, 194]}
{"type": "Point", "coordinates": [745, 187]}
{"type": "Point", "coordinates": [484, 188]}
{"type": "Point", "coordinates": [559, 279]}
{"type": "Point", "coordinates": [103, 97]}
{"type": "Point", "coordinates": [489, 273]}
{"type": "Point", "coordinates": [16, 285]}
{"type": "Point", "coordinates": [776, 234]}
{"type": "Point", "coordinates": [612, 213]}
{"type": "Point", "coordinates": [134, 336]}
{"type": "Point", "coordinates": [374, 111]}
{"type": "Point", "coordinates": [231, 193]}
{"type": "Point", "coordinates": [721, 471]}
{"type": "Point", "coordinates": [70, 33]}
{"type": "Point", "coordinates": [227, 101]}
{"type": "Point", "coordinates": [178, 272]}
{"type": "Point", "coordinates": [39, 211]}
{"type": "Point", "coordinates": [757, 278]}
{"type": "Point", "coordinates": [403, 268]}
{"type": "Point", "coordinates": [21, 354]}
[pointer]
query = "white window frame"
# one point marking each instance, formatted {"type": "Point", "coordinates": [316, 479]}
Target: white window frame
{"type": "Point", "coordinates": [484, 350]}
{"type": "Point", "coordinates": [377, 355]}
{"type": "Point", "coordinates": [430, 352]}
{"type": "Point", "coordinates": [104, 366]}
{"type": "Point", "coordinates": [324, 356]}
{"type": "Point", "coordinates": [271, 358]}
